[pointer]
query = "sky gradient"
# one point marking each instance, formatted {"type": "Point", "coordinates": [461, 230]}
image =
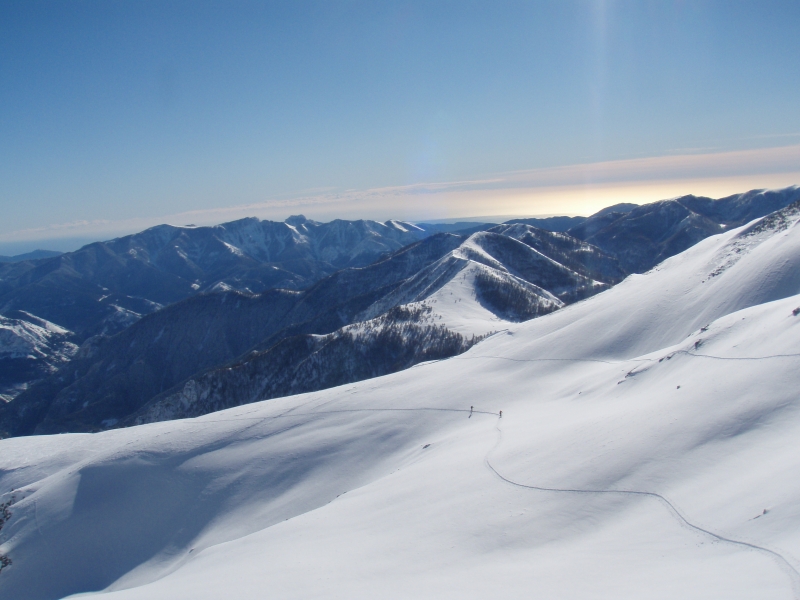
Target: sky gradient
{"type": "Point", "coordinates": [115, 116]}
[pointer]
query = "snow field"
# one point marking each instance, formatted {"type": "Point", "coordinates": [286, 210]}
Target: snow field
{"type": "Point", "coordinates": [456, 307]}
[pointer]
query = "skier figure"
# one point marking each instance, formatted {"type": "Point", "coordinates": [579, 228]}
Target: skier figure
{"type": "Point", "coordinates": [501, 414]}
{"type": "Point", "coordinates": [470, 412]}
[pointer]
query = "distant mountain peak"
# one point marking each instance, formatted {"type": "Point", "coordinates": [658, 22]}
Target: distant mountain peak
{"type": "Point", "coordinates": [296, 220]}
{"type": "Point", "coordinates": [35, 255]}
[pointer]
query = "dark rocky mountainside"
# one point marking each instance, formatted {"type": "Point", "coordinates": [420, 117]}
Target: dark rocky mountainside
{"type": "Point", "coordinates": [113, 376]}
{"type": "Point", "coordinates": [394, 341]}
{"type": "Point", "coordinates": [558, 224]}
{"type": "Point", "coordinates": [642, 237]}
{"type": "Point", "coordinates": [105, 286]}
{"type": "Point", "coordinates": [579, 256]}
{"type": "Point", "coordinates": [35, 255]}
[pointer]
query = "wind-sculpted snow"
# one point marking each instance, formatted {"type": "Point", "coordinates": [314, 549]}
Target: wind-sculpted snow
{"type": "Point", "coordinates": [647, 449]}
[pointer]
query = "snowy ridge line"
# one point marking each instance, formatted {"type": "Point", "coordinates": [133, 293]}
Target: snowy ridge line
{"type": "Point", "coordinates": [793, 573]}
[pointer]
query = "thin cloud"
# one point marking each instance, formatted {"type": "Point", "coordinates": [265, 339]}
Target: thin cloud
{"type": "Point", "coordinates": [571, 189]}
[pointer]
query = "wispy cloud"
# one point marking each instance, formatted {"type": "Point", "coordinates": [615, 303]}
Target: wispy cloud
{"type": "Point", "coordinates": [572, 189]}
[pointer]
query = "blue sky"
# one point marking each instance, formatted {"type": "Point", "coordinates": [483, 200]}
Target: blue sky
{"type": "Point", "coordinates": [117, 115]}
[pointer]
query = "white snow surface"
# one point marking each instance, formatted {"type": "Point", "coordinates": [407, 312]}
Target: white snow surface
{"type": "Point", "coordinates": [22, 339]}
{"type": "Point", "coordinates": [448, 287]}
{"type": "Point", "coordinates": [456, 306]}
{"type": "Point", "coordinates": [647, 449]}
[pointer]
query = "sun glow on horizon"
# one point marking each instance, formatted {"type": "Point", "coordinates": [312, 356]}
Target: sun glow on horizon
{"type": "Point", "coordinates": [581, 189]}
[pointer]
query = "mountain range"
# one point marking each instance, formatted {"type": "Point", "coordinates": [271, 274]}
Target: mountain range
{"type": "Point", "coordinates": [453, 286]}
{"type": "Point", "coordinates": [639, 443]}
{"type": "Point", "coordinates": [105, 286]}
{"type": "Point", "coordinates": [448, 288]}
{"type": "Point", "coordinates": [640, 237]}
{"type": "Point", "coordinates": [34, 255]}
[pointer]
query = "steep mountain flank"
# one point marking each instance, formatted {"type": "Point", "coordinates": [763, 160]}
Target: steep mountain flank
{"type": "Point", "coordinates": [394, 341]}
{"type": "Point", "coordinates": [113, 376]}
{"type": "Point", "coordinates": [646, 235]}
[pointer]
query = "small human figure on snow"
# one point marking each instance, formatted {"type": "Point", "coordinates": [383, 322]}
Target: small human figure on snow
{"type": "Point", "coordinates": [470, 412]}
{"type": "Point", "coordinates": [501, 414]}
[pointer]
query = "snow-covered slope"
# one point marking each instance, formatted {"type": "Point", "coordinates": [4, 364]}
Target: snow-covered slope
{"type": "Point", "coordinates": [30, 348]}
{"type": "Point", "coordinates": [28, 336]}
{"type": "Point", "coordinates": [647, 449]}
{"type": "Point", "coordinates": [488, 280]}
{"type": "Point", "coordinates": [456, 304]}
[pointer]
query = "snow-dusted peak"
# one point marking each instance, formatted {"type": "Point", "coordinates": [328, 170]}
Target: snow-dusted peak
{"type": "Point", "coordinates": [747, 266]}
{"type": "Point", "coordinates": [30, 348]}
{"type": "Point", "coordinates": [29, 336]}
{"type": "Point", "coordinates": [489, 278]}
{"type": "Point", "coordinates": [404, 226]}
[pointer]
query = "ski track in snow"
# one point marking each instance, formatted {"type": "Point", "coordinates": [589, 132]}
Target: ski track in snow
{"type": "Point", "coordinates": [784, 563]}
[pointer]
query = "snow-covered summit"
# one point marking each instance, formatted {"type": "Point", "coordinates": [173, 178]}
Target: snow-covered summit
{"type": "Point", "coordinates": [493, 278]}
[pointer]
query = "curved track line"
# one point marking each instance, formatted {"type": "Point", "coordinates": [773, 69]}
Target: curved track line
{"type": "Point", "coordinates": [793, 573]}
